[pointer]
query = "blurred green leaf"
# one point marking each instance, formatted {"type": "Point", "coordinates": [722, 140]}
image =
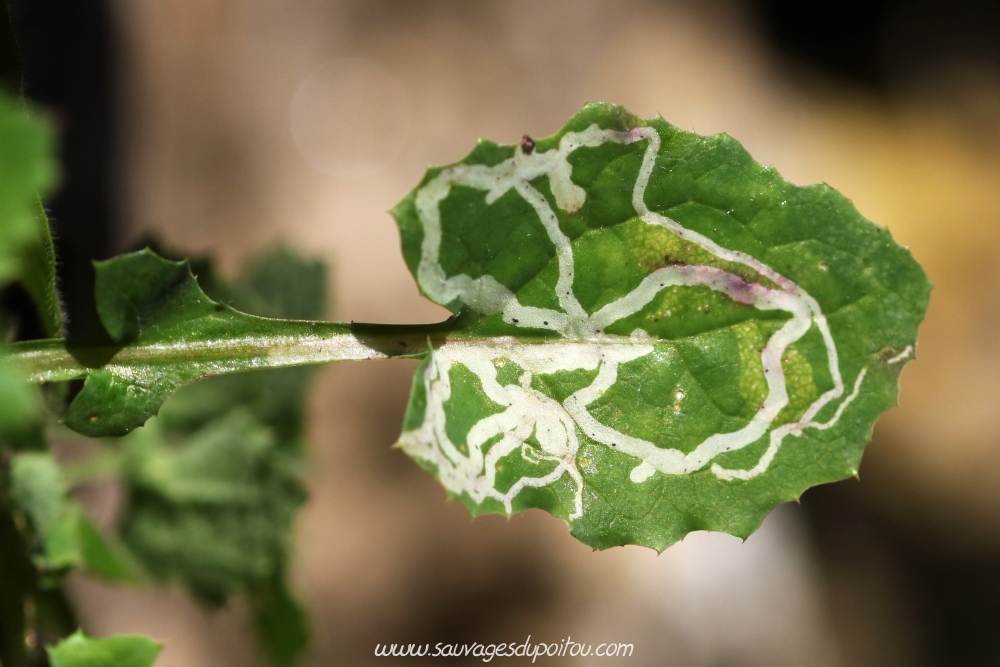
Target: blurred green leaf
{"type": "Point", "coordinates": [214, 510]}
{"type": "Point", "coordinates": [707, 339]}
{"type": "Point", "coordinates": [22, 417]}
{"type": "Point", "coordinates": [102, 557]}
{"type": "Point", "coordinates": [280, 623]}
{"type": "Point", "coordinates": [279, 284]}
{"type": "Point", "coordinates": [38, 490]}
{"type": "Point", "coordinates": [28, 481]}
{"type": "Point", "coordinates": [64, 536]}
{"type": "Point", "coordinates": [27, 168]}
{"type": "Point", "coordinates": [78, 650]}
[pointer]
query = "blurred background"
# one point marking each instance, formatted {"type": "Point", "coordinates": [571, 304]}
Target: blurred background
{"type": "Point", "coordinates": [229, 126]}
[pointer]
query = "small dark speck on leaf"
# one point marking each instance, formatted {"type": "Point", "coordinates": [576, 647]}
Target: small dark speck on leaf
{"type": "Point", "coordinates": [545, 323]}
{"type": "Point", "coordinates": [514, 320]}
{"type": "Point", "coordinates": [527, 145]}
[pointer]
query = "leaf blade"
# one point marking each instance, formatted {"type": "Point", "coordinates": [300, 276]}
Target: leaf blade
{"type": "Point", "coordinates": [147, 303]}
{"type": "Point", "coordinates": [698, 314]}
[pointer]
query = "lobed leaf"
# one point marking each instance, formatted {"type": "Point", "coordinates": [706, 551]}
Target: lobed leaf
{"type": "Point", "coordinates": [214, 482]}
{"type": "Point", "coordinates": [655, 334]}
{"type": "Point", "coordinates": [146, 302]}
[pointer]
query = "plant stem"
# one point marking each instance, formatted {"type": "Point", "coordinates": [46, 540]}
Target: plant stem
{"type": "Point", "coordinates": [286, 343]}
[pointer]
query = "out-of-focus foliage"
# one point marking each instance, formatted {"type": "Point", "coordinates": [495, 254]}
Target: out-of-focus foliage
{"type": "Point", "coordinates": [26, 169]}
{"type": "Point", "coordinates": [214, 482]}
{"type": "Point", "coordinates": [37, 488]}
{"type": "Point", "coordinates": [212, 509]}
{"type": "Point", "coordinates": [22, 418]}
{"type": "Point", "coordinates": [62, 535]}
{"type": "Point", "coordinates": [79, 650]}
{"type": "Point", "coordinates": [39, 528]}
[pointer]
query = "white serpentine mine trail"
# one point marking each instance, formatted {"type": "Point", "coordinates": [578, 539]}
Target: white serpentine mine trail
{"type": "Point", "coordinates": [583, 345]}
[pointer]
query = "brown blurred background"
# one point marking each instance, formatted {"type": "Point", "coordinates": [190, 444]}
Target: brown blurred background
{"type": "Point", "coordinates": [227, 126]}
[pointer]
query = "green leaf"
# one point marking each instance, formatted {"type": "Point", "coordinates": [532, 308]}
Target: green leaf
{"type": "Point", "coordinates": [279, 621]}
{"type": "Point", "coordinates": [37, 489]}
{"type": "Point", "coordinates": [102, 557]}
{"type": "Point", "coordinates": [284, 285]}
{"type": "Point", "coordinates": [659, 335]}
{"type": "Point", "coordinates": [27, 168]}
{"type": "Point", "coordinates": [64, 536]}
{"type": "Point", "coordinates": [78, 650]}
{"type": "Point", "coordinates": [22, 417]}
{"type": "Point", "coordinates": [279, 284]}
{"type": "Point", "coordinates": [164, 332]}
{"type": "Point", "coordinates": [169, 333]}
{"type": "Point", "coordinates": [27, 171]}
{"type": "Point", "coordinates": [268, 404]}
{"type": "Point", "coordinates": [253, 419]}
{"type": "Point", "coordinates": [213, 510]}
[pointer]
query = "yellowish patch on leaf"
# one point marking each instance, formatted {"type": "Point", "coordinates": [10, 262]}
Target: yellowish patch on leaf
{"type": "Point", "coordinates": [654, 247]}
{"type": "Point", "coordinates": [802, 391]}
{"type": "Point", "coordinates": [753, 386]}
